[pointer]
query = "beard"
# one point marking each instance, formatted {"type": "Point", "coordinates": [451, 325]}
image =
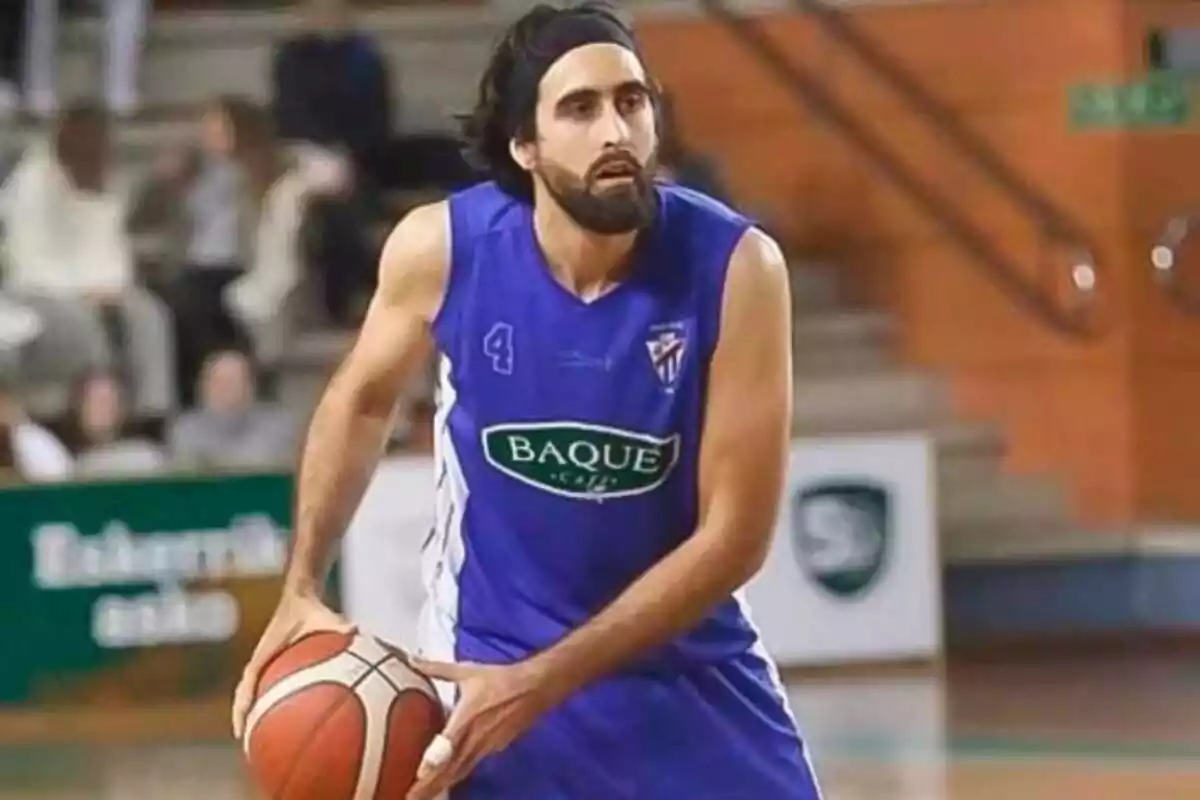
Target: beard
{"type": "Point", "coordinates": [606, 210]}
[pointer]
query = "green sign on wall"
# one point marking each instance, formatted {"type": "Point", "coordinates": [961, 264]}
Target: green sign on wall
{"type": "Point", "coordinates": [1158, 101]}
{"type": "Point", "coordinates": [135, 593]}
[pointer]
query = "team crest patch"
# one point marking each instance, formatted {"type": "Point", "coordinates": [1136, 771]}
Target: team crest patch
{"type": "Point", "coordinates": [667, 345]}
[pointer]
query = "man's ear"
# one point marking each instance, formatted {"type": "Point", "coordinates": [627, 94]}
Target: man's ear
{"type": "Point", "coordinates": [522, 153]}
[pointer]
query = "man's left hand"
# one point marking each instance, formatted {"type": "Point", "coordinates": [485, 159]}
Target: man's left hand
{"type": "Point", "coordinates": [496, 704]}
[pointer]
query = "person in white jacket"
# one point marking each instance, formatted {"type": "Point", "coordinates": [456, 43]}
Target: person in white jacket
{"type": "Point", "coordinates": [69, 257]}
{"type": "Point", "coordinates": [258, 298]}
{"type": "Point", "coordinates": [29, 452]}
{"type": "Point", "coordinates": [230, 209]}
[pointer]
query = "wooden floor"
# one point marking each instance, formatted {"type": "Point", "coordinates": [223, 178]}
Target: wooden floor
{"type": "Point", "coordinates": [1101, 730]}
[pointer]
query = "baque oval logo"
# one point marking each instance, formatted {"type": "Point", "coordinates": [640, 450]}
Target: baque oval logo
{"type": "Point", "coordinates": [580, 460]}
{"type": "Point", "coordinates": [841, 532]}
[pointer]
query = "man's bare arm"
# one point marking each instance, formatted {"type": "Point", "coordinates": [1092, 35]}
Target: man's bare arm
{"type": "Point", "coordinates": [351, 423]}
{"type": "Point", "coordinates": [743, 458]}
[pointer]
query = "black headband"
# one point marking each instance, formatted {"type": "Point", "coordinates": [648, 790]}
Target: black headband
{"type": "Point", "coordinates": [561, 35]}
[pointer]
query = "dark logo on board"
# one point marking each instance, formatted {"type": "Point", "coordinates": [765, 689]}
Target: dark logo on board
{"type": "Point", "coordinates": [841, 534]}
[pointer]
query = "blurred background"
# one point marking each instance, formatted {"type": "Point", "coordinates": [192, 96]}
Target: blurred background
{"type": "Point", "coordinates": [984, 582]}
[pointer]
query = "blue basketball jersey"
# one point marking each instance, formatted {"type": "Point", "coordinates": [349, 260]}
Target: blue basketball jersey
{"type": "Point", "coordinates": [567, 439]}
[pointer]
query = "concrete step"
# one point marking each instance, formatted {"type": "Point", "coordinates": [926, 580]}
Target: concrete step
{"type": "Point", "coordinates": [300, 391]}
{"type": "Point", "coordinates": [959, 439]}
{"type": "Point", "coordinates": [135, 141]}
{"type": "Point", "coordinates": [814, 286]}
{"type": "Point", "coordinates": [318, 350]}
{"type": "Point", "coordinates": [979, 502]}
{"type": "Point", "coordinates": [839, 360]}
{"type": "Point", "coordinates": [967, 449]}
{"type": "Point", "coordinates": [436, 56]}
{"type": "Point", "coordinates": [307, 365]}
{"type": "Point", "coordinates": [841, 340]}
{"type": "Point", "coordinates": [1071, 542]}
{"type": "Point", "coordinates": [311, 362]}
{"type": "Point", "coordinates": [836, 325]}
{"type": "Point", "coordinates": [1032, 542]}
{"type": "Point", "coordinates": [861, 402]}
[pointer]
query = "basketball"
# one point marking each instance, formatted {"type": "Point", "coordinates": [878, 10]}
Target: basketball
{"type": "Point", "coordinates": [339, 716]}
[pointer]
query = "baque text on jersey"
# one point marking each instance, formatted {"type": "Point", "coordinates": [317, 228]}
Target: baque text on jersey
{"type": "Point", "coordinates": [581, 460]}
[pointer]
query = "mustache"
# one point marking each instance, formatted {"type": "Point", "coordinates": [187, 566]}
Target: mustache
{"type": "Point", "coordinates": [618, 162]}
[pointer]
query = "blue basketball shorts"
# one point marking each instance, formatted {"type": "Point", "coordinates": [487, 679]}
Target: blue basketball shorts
{"type": "Point", "coordinates": [711, 732]}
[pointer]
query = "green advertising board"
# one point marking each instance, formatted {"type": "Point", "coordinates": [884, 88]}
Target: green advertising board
{"type": "Point", "coordinates": [137, 593]}
{"type": "Point", "coordinates": [1155, 102]}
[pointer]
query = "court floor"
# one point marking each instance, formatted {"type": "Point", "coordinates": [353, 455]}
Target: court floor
{"type": "Point", "coordinates": [1124, 729]}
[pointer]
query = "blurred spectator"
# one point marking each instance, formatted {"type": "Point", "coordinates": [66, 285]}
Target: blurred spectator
{"type": "Point", "coordinates": [231, 430]}
{"type": "Point", "coordinates": [124, 24]}
{"type": "Point", "coordinates": [12, 34]}
{"type": "Point", "coordinates": [19, 325]}
{"type": "Point", "coordinates": [70, 259]}
{"type": "Point", "coordinates": [103, 445]}
{"type": "Point", "coordinates": [197, 196]}
{"type": "Point", "coordinates": [331, 85]}
{"type": "Point", "coordinates": [288, 182]}
{"type": "Point", "coordinates": [332, 89]}
{"type": "Point", "coordinates": [680, 164]}
{"type": "Point", "coordinates": [29, 453]}
{"type": "Point", "coordinates": [231, 207]}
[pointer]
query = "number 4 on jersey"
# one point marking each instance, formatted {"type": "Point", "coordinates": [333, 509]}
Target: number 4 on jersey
{"type": "Point", "coordinates": [498, 346]}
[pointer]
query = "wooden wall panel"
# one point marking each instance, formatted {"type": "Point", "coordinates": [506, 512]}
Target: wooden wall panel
{"type": "Point", "coordinates": [1082, 175]}
{"type": "Point", "coordinates": [1160, 331]}
{"type": "Point", "coordinates": [1081, 413]}
{"type": "Point", "coordinates": [1005, 67]}
{"type": "Point", "coordinates": [1112, 416]}
{"type": "Point", "coordinates": [955, 318]}
{"type": "Point", "coordinates": [979, 55]}
{"type": "Point", "coordinates": [1165, 381]}
{"type": "Point", "coordinates": [1159, 170]}
{"type": "Point", "coordinates": [738, 97]}
{"type": "Point", "coordinates": [1168, 439]}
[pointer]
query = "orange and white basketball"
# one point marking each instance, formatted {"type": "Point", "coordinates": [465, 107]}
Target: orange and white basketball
{"type": "Point", "coordinates": [340, 716]}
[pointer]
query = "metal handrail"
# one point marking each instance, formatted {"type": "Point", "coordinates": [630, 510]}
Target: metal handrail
{"type": "Point", "coordinates": [1165, 260]}
{"type": "Point", "coordinates": [1054, 226]}
{"type": "Point", "coordinates": [894, 71]}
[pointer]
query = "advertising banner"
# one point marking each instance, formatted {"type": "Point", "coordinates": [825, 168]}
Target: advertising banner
{"type": "Point", "coordinates": [381, 584]}
{"type": "Point", "coordinates": [136, 593]}
{"type": "Point", "coordinates": [853, 572]}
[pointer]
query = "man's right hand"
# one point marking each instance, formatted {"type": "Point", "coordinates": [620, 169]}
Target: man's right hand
{"type": "Point", "coordinates": [296, 616]}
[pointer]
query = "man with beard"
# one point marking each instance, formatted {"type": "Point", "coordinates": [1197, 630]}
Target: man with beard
{"type": "Point", "coordinates": [612, 432]}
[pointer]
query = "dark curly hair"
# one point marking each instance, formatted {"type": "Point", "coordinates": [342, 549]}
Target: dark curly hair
{"type": "Point", "coordinates": [487, 128]}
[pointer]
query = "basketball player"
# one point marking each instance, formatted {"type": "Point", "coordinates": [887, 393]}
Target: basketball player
{"type": "Point", "coordinates": [612, 431]}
